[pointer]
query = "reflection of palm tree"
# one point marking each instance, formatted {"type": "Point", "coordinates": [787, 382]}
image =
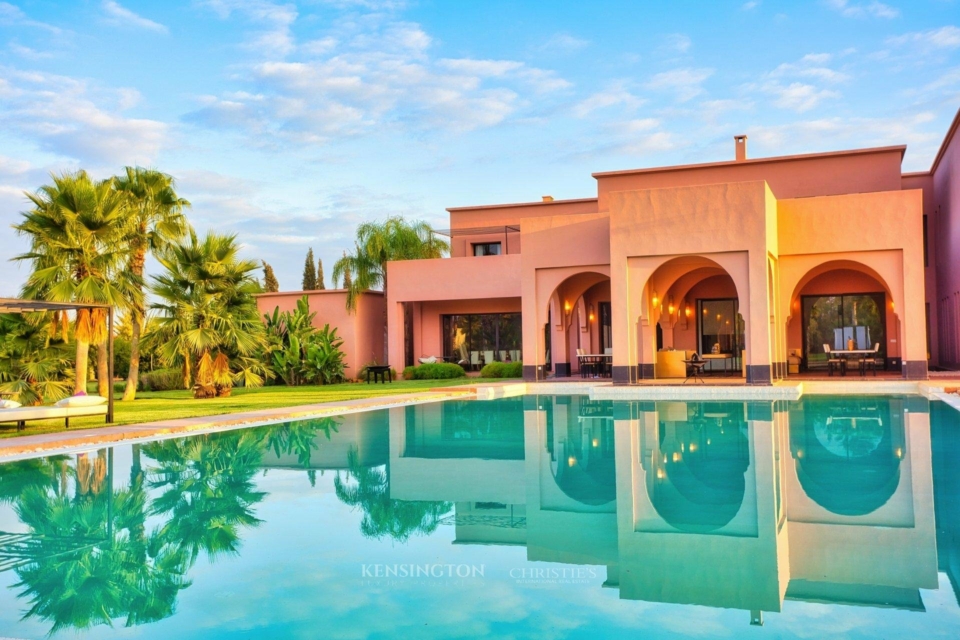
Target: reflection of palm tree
{"type": "Point", "coordinates": [90, 562]}
{"type": "Point", "coordinates": [370, 490]}
{"type": "Point", "coordinates": [208, 492]}
{"type": "Point", "coordinates": [17, 477]}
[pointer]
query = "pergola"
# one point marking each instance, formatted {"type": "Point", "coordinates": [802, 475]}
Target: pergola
{"type": "Point", "coordinates": [13, 305]}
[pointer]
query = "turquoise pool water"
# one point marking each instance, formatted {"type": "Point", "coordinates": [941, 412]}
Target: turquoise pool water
{"type": "Point", "coordinates": [533, 517]}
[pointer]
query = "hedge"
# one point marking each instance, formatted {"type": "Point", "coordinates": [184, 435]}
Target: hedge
{"type": "Point", "coordinates": [502, 370]}
{"type": "Point", "coordinates": [436, 371]}
{"type": "Point", "coordinates": [162, 380]}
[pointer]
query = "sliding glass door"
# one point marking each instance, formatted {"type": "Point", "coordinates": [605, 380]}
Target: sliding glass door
{"type": "Point", "coordinates": [837, 319]}
{"type": "Point", "coordinates": [479, 339]}
{"type": "Point", "coordinates": [720, 330]}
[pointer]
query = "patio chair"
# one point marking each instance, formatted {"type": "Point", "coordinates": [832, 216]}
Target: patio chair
{"type": "Point", "coordinates": [694, 369]}
{"type": "Point", "coordinates": [488, 357]}
{"type": "Point", "coordinates": [870, 360]}
{"type": "Point", "coordinates": [834, 361]}
{"type": "Point", "coordinates": [474, 360]}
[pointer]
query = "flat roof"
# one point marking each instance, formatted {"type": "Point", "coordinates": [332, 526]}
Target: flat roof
{"type": "Point", "coordinates": [266, 294]}
{"type": "Point", "coordinates": [539, 203]}
{"type": "Point", "coordinates": [726, 163]}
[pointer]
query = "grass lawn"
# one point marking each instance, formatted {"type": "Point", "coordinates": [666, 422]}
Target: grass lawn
{"type": "Point", "coordinates": [167, 405]}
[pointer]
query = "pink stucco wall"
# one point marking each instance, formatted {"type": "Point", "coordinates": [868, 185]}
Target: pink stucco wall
{"type": "Point", "coordinates": [858, 171]}
{"type": "Point", "coordinates": [362, 331]}
{"type": "Point", "coordinates": [946, 185]}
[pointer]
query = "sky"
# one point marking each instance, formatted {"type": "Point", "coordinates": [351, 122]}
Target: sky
{"type": "Point", "coordinates": [287, 123]}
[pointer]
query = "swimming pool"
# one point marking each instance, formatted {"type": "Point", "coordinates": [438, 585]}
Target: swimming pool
{"type": "Point", "coordinates": [537, 516]}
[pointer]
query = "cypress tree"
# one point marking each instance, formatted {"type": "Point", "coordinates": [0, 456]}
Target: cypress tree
{"type": "Point", "coordinates": [320, 285]}
{"type": "Point", "coordinates": [309, 274]}
{"type": "Point", "coordinates": [270, 283]}
{"type": "Point", "coordinates": [347, 278]}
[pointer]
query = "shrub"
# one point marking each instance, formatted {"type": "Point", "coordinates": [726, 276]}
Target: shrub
{"type": "Point", "coordinates": [436, 371]}
{"type": "Point", "coordinates": [502, 370]}
{"type": "Point", "coordinates": [162, 380]}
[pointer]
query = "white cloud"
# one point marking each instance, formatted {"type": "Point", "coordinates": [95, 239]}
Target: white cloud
{"type": "Point", "coordinates": [865, 9]}
{"type": "Point", "coordinates": [947, 37]}
{"type": "Point", "coordinates": [812, 65]}
{"type": "Point", "coordinates": [272, 21]}
{"type": "Point", "coordinates": [798, 96]}
{"type": "Point", "coordinates": [14, 16]}
{"type": "Point", "coordinates": [616, 94]}
{"type": "Point", "coordinates": [752, 4]}
{"type": "Point", "coordinates": [563, 43]}
{"type": "Point", "coordinates": [376, 73]}
{"type": "Point", "coordinates": [121, 16]}
{"type": "Point", "coordinates": [66, 116]}
{"type": "Point", "coordinates": [685, 83]}
{"type": "Point", "coordinates": [678, 42]}
{"type": "Point", "coordinates": [28, 53]}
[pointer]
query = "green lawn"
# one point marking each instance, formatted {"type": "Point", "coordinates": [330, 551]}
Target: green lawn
{"type": "Point", "coordinates": [167, 405]}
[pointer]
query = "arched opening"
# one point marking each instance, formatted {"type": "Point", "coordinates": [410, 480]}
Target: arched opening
{"type": "Point", "coordinates": [693, 305]}
{"type": "Point", "coordinates": [579, 320]}
{"type": "Point", "coordinates": [844, 305]}
{"type": "Point", "coordinates": [696, 481]}
{"type": "Point", "coordinates": [847, 461]}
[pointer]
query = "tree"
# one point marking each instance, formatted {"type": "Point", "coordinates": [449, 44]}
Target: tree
{"type": "Point", "coordinates": [157, 220]}
{"type": "Point", "coordinates": [270, 283]}
{"type": "Point", "coordinates": [347, 276]}
{"type": "Point", "coordinates": [309, 274]}
{"type": "Point", "coordinates": [208, 320]}
{"type": "Point", "coordinates": [377, 244]}
{"type": "Point", "coordinates": [34, 367]}
{"type": "Point", "coordinates": [320, 285]}
{"type": "Point", "coordinates": [78, 250]}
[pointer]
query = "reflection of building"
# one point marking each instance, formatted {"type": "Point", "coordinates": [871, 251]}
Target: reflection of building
{"type": "Point", "coordinates": [946, 447]}
{"type": "Point", "coordinates": [723, 504]}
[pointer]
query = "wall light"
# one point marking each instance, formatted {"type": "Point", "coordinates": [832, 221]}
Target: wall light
{"type": "Point", "coordinates": [592, 317]}
{"type": "Point", "coordinates": [566, 306]}
{"type": "Point", "coordinates": [656, 298]}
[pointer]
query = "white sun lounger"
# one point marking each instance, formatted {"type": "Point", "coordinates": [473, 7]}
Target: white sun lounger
{"type": "Point", "coordinates": [21, 415]}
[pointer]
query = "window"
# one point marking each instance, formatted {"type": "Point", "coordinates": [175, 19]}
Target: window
{"type": "Point", "coordinates": [486, 249]}
{"type": "Point", "coordinates": [479, 339]}
{"type": "Point", "coordinates": [835, 319]}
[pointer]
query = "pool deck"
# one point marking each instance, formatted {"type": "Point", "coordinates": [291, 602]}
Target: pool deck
{"type": "Point", "coordinates": [938, 388]}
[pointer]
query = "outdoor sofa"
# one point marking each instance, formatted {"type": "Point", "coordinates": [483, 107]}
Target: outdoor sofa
{"type": "Point", "coordinates": [72, 407]}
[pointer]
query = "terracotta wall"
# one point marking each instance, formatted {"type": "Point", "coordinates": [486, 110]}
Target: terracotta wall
{"type": "Point", "coordinates": [362, 332]}
{"type": "Point", "coordinates": [799, 177]}
{"type": "Point", "coordinates": [946, 185]}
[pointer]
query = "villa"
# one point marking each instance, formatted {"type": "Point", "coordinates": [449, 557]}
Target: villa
{"type": "Point", "coordinates": [759, 264]}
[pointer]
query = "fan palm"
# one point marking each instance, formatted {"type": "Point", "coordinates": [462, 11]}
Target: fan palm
{"type": "Point", "coordinates": [77, 229]}
{"type": "Point", "coordinates": [207, 316]}
{"type": "Point", "coordinates": [157, 221]}
{"type": "Point", "coordinates": [34, 367]}
{"type": "Point", "coordinates": [381, 242]}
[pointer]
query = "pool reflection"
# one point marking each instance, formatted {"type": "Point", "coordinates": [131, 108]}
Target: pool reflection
{"type": "Point", "coordinates": [721, 504]}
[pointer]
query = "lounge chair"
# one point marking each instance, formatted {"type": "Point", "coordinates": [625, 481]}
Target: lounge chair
{"type": "Point", "coordinates": [72, 407]}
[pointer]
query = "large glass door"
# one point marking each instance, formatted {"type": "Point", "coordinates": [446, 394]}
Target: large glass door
{"type": "Point", "coordinates": [720, 330]}
{"type": "Point", "coordinates": [834, 320]}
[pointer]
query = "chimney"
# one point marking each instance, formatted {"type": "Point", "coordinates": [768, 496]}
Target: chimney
{"type": "Point", "coordinates": [548, 198]}
{"type": "Point", "coordinates": [741, 142]}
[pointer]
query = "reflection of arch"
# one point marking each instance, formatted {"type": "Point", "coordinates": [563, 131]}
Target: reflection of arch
{"type": "Point", "coordinates": [847, 461]}
{"type": "Point", "coordinates": [584, 465]}
{"type": "Point", "coordinates": [697, 480]}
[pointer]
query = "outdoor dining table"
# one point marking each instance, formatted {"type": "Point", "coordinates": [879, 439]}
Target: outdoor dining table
{"type": "Point", "coordinates": [852, 352]}
{"type": "Point", "coordinates": [599, 360]}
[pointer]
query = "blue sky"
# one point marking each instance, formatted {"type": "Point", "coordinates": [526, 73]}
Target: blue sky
{"type": "Point", "coordinates": [288, 123]}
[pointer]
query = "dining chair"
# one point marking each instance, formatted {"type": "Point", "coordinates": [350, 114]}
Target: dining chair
{"type": "Point", "coordinates": [833, 361]}
{"type": "Point", "coordinates": [870, 360]}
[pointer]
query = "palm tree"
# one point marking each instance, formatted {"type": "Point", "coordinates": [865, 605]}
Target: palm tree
{"type": "Point", "coordinates": [381, 242]}
{"type": "Point", "coordinates": [77, 229]}
{"type": "Point", "coordinates": [208, 319]}
{"type": "Point", "coordinates": [157, 221]}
